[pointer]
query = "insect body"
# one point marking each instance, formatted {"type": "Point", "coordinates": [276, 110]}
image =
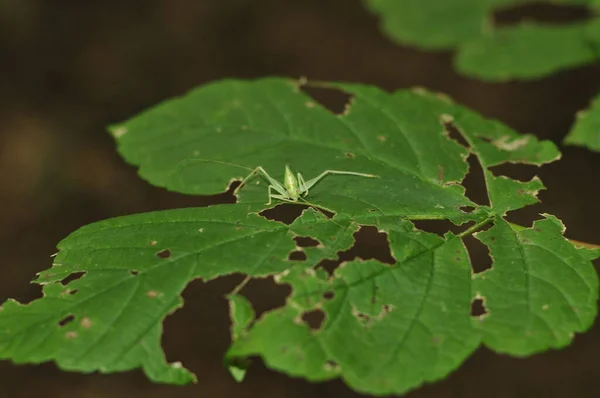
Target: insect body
{"type": "Point", "coordinates": [294, 188]}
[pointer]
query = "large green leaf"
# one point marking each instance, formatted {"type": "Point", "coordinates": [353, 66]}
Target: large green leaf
{"type": "Point", "coordinates": [387, 328]}
{"type": "Point", "coordinates": [135, 269]}
{"type": "Point", "coordinates": [586, 130]}
{"type": "Point", "coordinates": [522, 51]}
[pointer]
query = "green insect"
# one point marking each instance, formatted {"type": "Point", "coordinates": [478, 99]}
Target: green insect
{"type": "Point", "coordinates": [293, 189]}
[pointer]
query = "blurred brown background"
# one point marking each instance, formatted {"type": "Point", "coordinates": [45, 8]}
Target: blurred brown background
{"type": "Point", "coordinates": [70, 67]}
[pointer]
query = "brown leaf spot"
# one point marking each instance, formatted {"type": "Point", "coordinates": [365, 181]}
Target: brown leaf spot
{"type": "Point", "coordinates": [152, 294]}
{"type": "Point", "coordinates": [86, 323]}
{"type": "Point", "coordinates": [71, 335]}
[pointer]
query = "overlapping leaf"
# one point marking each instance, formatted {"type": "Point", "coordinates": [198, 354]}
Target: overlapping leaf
{"type": "Point", "coordinates": [522, 51]}
{"type": "Point", "coordinates": [387, 328]}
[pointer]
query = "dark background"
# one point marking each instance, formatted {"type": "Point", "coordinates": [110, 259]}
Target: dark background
{"type": "Point", "coordinates": [69, 68]}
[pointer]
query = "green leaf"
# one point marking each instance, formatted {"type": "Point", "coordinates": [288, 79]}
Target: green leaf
{"type": "Point", "coordinates": [242, 314]}
{"type": "Point", "coordinates": [528, 51]}
{"type": "Point", "coordinates": [135, 270]}
{"type": "Point", "coordinates": [586, 130]}
{"type": "Point", "coordinates": [522, 51]}
{"type": "Point", "coordinates": [539, 291]}
{"type": "Point", "coordinates": [387, 328]}
{"type": "Point", "coordinates": [199, 143]}
{"type": "Point", "coordinates": [222, 131]}
{"type": "Point", "coordinates": [427, 24]}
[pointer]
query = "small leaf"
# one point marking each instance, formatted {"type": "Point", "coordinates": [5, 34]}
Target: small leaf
{"type": "Point", "coordinates": [242, 314]}
{"type": "Point", "coordinates": [586, 130]}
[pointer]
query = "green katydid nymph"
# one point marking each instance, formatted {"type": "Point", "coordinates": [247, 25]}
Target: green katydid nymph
{"type": "Point", "coordinates": [294, 189]}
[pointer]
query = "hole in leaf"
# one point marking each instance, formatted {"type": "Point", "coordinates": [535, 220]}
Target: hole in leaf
{"type": "Point", "coordinates": [314, 319]}
{"type": "Point", "coordinates": [166, 253]}
{"type": "Point", "coordinates": [306, 241]}
{"type": "Point", "coordinates": [453, 132]}
{"type": "Point", "coordinates": [479, 254]}
{"type": "Point", "coordinates": [266, 295]}
{"type": "Point", "coordinates": [73, 291]}
{"type": "Point", "coordinates": [297, 255]}
{"type": "Point", "coordinates": [333, 99]}
{"type": "Point", "coordinates": [526, 215]}
{"type": "Point", "coordinates": [369, 244]}
{"type": "Point", "coordinates": [516, 171]}
{"type": "Point", "coordinates": [478, 307]}
{"type": "Point", "coordinates": [467, 209]}
{"type": "Point", "coordinates": [134, 272]}
{"type": "Point", "coordinates": [72, 277]}
{"type": "Point", "coordinates": [286, 213]}
{"type": "Point", "coordinates": [544, 13]}
{"type": "Point", "coordinates": [66, 320]}
{"type": "Point", "coordinates": [474, 183]}
{"type": "Point", "coordinates": [439, 227]}
{"type": "Point", "coordinates": [329, 295]}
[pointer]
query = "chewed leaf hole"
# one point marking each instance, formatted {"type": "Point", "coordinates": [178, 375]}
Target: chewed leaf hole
{"type": "Point", "coordinates": [314, 319]}
{"type": "Point", "coordinates": [297, 255]}
{"type": "Point", "coordinates": [329, 295]}
{"type": "Point", "coordinates": [72, 277]}
{"type": "Point", "coordinates": [452, 131]}
{"type": "Point", "coordinates": [333, 99]}
{"type": "Point", "coordinates": [478, 308]}
{"type": "Point", "coordinates": [266, 295]}
{"type": "Point", "coordinates": [286, 213]}
{"type": "Point", "coordinates": [516, 171]}
{"type": "Point", "coordinates": [166, 253]}
{"type": "Point", "coordinates": [474, 183]}
{"type": "Point", "coordinates": [134, 272]}
{"type": "Point", "coordinates": [479, 254]}
{"type": "Point", "coordinates": [66, 320]}
{"type": "Point", "coordinates": [369, 244]}
{"type": "Point", "coordinates": [439, 227]}
{"type": "Point", "coordinates": [306, 241]}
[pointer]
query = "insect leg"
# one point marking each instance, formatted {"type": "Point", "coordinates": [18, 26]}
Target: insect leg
{"type": "Point", "coordinates": [302, 185]}
{"type": "Point", "coordinates": [313, 181]}
{"type": "Point", "coordinates": [246, 179]}
{"type": "Point", "coordinates": [282, 193]}
{"type": "Point", "coordinates": [276, 185]}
